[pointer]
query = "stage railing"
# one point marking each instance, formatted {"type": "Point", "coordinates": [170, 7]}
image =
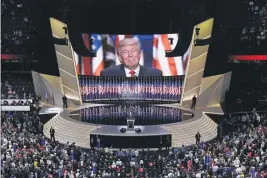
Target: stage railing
{"type": "Point", "coordinates": [135, 88]}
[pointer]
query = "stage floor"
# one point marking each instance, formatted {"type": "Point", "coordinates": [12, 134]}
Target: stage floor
{"type": "Point", "coordinates": [50, 110]}
{"type": "Point", "coordinates": [181, 133]}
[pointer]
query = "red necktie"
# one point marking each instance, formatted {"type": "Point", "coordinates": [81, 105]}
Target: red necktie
{"type": "Point", "coordinates": [132, 73]}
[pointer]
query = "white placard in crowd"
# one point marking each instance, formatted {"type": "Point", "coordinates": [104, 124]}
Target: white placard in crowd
{"type": "Point", "coordinates": [15, 108]}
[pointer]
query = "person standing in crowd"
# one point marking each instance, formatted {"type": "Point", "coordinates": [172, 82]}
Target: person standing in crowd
{"type": "Point", "coordinates": [198, 136]}
{"type": "Point", "coordinates": [52, 134]}
{"type": "Point", "coordinates": [220, 132]}
{"type": "Point", "coordinates": [65, 101]}
{"type": "Point", "coordinates": [92, 144]}
{"type": "Point", "coordinates": [168, 141]}
{"type": "Point", "coordinates": [207, 161]}
{"type": "Point", "coordinates": [194, 101]}
{"type": "Point", "coordinates": [98, 142]}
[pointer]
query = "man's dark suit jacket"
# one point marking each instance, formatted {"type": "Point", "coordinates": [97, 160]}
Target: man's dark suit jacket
{"type": "Point", "coordinates": [194, 99]}
{"type": "Point", "coordinates": [64, 99]}
{"type": "Point", "coordinates": [119, 71]}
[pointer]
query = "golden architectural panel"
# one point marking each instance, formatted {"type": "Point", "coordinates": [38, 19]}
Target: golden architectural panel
{"type": "Point", "coordinates": [66, 64]}
{"type": "Point", "coordinates": [213, 91]}
{"type": "Point", "coordinates": [48, 87]}
{"type": "Point", "coordinates": [56, 27]}
{"type": "Point", "coordinates": [53, 80]}
{"type": "Point", "coordinates": [197, 65]}
{"type": "Point", "coordinates": [197, 61]}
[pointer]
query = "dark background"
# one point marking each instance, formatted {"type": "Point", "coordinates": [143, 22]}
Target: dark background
{"type": "Point", "coordinates": [132, 17]}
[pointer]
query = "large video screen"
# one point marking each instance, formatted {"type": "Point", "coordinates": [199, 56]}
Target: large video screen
{"type": "Point", "coordinates": [117, 56]}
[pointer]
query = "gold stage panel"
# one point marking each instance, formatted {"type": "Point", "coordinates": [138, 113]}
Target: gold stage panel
{"type": "Point", "coordinates": [48, 85]}
{"type": "Point", "coordinates": [210, 91]}
{"type": "Point", "coordinates": [66, 62]}
{"type": "Point", "coordinates": [197, 61]}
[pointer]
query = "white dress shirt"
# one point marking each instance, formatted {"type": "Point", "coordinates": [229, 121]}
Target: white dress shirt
{"type": "Point", "coordinates": [127, 71]}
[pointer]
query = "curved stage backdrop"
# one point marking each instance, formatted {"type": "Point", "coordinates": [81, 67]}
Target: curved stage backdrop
{"type": "Point", "coordinates": [125, 88]}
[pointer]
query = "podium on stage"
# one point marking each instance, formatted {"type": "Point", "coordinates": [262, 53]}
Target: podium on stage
{"type": "Point", "coordinates": [130, 122]}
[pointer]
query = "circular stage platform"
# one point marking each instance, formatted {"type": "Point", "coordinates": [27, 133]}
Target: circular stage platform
{"type": "Point", "coordinates": [144, 114]}
{"type": "Point", "coordinates": [156, 125]}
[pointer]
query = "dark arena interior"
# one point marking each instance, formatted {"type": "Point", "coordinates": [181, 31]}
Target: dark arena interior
{"type": "Point", "coordinates": [134, 89]}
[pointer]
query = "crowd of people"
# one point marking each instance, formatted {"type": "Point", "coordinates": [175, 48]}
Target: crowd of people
{"type": "Point", "coordinates": [26, 153]}
{"type": "Point", "coordinates": [16, 86]}
{"type": "Point", "coordinates": [240, 152]}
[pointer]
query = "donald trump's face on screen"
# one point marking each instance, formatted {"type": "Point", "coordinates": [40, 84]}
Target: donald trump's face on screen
{"type": "Point", "coordinates": [129, 53]}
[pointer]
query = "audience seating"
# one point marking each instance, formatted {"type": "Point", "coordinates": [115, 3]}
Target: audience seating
{"type": "Point", "coordinates": [27, 151]}
{"type": "Point", "coordinates": [16, 86]}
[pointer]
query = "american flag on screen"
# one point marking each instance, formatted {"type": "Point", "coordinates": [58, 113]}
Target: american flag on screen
{"type": "Point", "coordinates": [105, 51]}
{"type": "Point", "coordinates": [170, 66]}
{"type": "Point", "coordinates": [86, 65]}
{"type": "Point", "coordinates": [83, 63]}
{"type": "Point", "coordinates": [186, 58]}
{"type": "Point", "coordinates": [98, 61]}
